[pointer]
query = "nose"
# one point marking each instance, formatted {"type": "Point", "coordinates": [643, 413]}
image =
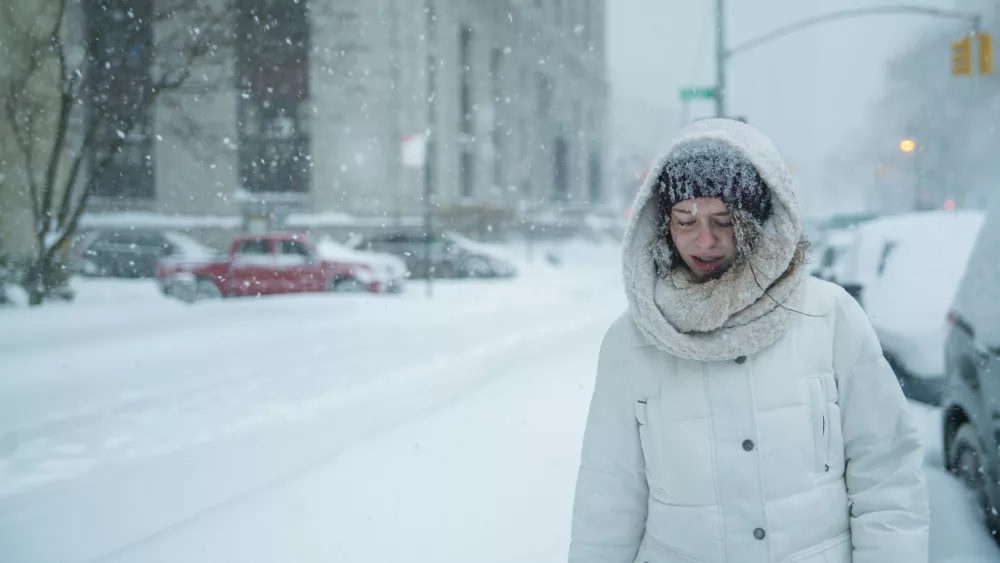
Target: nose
{"type": "Point", "coordinates": [705, 238]}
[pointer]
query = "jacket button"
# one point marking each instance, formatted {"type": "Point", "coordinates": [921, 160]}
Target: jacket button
{"type": "Point", "coordinates": [748, 445]}
{"type": "Point", "coordinates": [759, 533]}
{"type": "Point", "coordinates": [741, 359]}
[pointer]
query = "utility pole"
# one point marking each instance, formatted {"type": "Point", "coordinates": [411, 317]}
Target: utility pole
{"type": "Point", "coordinates": [720, 58]}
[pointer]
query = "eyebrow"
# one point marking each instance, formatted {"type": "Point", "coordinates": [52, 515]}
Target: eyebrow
{"type": "Point", "coordinates": [688, 212]}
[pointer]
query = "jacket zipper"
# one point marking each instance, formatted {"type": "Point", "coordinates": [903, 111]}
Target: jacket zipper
{"type": "Point", "coordinates": [817, 402]}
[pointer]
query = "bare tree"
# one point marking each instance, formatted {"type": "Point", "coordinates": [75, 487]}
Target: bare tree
{"type": "Point", "coordinates": [60, 116]}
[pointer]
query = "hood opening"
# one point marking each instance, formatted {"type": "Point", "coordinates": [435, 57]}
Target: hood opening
{"type": "Point", "coordinates": [718, 317]}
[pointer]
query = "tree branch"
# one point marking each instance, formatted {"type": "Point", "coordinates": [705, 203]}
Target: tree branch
{"type": "Point", "coordinates": [198, 44]}
{"type": "Point", "coordinates": [67, 230]}
{"type": "Point", "coordinates": [27, 148]}
{"type": "Point", "coordinates": [62, 121]}
{"type": "Point", "coordinates": [74, 174]}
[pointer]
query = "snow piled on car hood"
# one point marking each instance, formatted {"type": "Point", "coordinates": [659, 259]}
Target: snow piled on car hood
{"type": "Point", "coordinates": [188, 247]}
{"type": "Point", "coordinates": [908, 302]}
{"type": "Point", "coordinates": [330, 249]}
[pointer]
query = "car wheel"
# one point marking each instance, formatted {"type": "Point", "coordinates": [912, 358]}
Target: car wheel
{"type": "Point", "coordinates": [965, 458]}
{"type": "Point", "coordinates": [478, 267]}
{"type": "Point", "coordinates": [347, 285]}
{"type": "Point", "coordinates": [206, 289]}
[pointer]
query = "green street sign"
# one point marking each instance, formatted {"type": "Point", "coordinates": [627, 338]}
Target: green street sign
{"type": "Point", "coordinates": [703, 93]}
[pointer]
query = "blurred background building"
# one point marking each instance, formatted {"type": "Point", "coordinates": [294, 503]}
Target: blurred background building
{"type": "Point", "coordinates": [363, 107]}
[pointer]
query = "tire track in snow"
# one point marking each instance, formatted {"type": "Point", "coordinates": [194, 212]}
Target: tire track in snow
{"type": "Point", "coordinates": [160, 424]}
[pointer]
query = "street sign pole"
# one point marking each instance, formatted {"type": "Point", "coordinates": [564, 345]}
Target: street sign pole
{"type": "Point", "coordinates": [720, 58]}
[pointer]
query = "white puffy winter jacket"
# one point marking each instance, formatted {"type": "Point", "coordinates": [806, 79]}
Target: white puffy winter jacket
{"type": "Point", "coordinates": [802, 452]}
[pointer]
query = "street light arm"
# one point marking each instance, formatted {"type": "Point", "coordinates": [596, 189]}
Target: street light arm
{"type": "Point", "coordinates": [850, 14]}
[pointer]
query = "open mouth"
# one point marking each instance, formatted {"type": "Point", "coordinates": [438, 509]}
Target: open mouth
{"type": "Point", "coordinates": [707, 261]}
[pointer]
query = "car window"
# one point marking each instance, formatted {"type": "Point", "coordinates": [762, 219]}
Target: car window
{"type": "Point", "coordinates": [256, 247]}
{"type": "Point", "coordinates": [294, 248]}
{"type": "Point", "coordinates": [116, 238]}
{"type": "Point", "coordinates": [886, 252]}
{"type": "Point", "coordinates": [829, 257]}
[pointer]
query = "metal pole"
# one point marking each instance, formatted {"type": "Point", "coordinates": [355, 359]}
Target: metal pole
{"type": "Point", "coordinates": [430, 149]}
{"type": "Point", "coordinates": [972, 17]}
{"type": "Point", "coordinates": [686, 113]}
{"type": "Point", "coordinates": [720, 58]}
{"type": "Point", "coordinates": [396, 175]}
{"type": "Point", "coordinates": [428, 216]}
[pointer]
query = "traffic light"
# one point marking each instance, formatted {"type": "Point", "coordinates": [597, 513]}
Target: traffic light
{"type": "Point", "coordinates": [985, 53]}
{"type": "Point", "coordinates": [961, 57]}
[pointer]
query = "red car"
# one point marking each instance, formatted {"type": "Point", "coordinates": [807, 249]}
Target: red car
{"type": "Point", "coordinates": [266, 264]}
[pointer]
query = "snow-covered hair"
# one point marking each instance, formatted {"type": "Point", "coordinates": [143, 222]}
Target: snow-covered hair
{"type": "Point", "coordinates": [710, 167]}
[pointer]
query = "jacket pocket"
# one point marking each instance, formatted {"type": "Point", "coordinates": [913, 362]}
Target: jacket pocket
{"type": "Point", "coordinates": [645, 415]}
{"type": "Point", "coordinates": [834, 550]}
{"type": "Point", "coordinates": [821, 424]}
{"type": "Point", "coordinates": [655, 551]}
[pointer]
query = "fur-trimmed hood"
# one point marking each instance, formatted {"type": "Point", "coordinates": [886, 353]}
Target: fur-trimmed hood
{"type": "Point", "coordinates": [728, 317]}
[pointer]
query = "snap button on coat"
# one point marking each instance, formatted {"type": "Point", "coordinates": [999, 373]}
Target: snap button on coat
{"type": "Point", "coordinates": [759, 533]}
{"type": "Point", "coordinates": [748, 445]}
{"type": "Point", "coordinates": [741, 359]}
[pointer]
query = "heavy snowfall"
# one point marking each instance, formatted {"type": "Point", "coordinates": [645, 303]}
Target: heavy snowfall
{"type": "Point", "coordinates": [313, 280]}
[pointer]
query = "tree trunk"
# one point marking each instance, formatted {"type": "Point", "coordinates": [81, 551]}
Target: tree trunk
{"type": "Point", "coordinates": [37, 283]}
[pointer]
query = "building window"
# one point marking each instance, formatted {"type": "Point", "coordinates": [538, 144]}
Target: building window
{"type": "Point", "coordinates": [544, 95]}
{"type": "Point", "coordinates": [496, 136]}
{"type": "Point", "coordinates": [272, 69]}
{"type": "Point", "coordinates": [465, 80]}
{"type": "Point", "coordinates": [431, 20]}
{"type": "Point", "coordinates": [594, 170]}
{"type": "Point", "coordinates": [119, 39]}
{"type": "Point", "coordinates": [468, 172]}
{"type": "Point", "coordinates": [560, 178]}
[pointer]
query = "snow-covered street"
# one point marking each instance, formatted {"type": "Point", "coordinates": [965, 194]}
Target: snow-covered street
{"type": "Point", "coordinates": [346, 428]}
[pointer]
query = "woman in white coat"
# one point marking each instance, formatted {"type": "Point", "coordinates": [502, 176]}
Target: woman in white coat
{"type": "Point", "coordinates": [742, 411]}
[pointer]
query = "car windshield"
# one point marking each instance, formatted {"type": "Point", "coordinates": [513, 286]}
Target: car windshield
{"type": "Point", "coordinates": [450, 281]}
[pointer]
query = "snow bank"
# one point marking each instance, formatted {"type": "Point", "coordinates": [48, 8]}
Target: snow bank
{"type": "Point", "coordinates": [909, 301]}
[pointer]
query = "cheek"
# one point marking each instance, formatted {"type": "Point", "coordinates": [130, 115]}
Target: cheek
{"type": "Point", "coordinates": [677, 239]}
{"type": "Point", "coordinates": [730, 243]}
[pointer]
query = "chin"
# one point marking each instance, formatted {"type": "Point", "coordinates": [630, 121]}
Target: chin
{"type": "Point", "coordinates": [703, 276]}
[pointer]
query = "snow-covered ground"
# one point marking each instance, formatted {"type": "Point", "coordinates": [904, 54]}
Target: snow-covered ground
{"type": "Point", "coordinates": [321, 428]}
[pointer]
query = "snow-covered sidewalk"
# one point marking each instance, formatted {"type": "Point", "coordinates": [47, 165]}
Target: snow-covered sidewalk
{"type": "Point", "coordinates": [321, 428]}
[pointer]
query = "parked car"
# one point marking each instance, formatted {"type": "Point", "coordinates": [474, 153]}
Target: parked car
{"type": "Point", "coordinates": [971, 404]}
{"type": "Point", "coordinates": [265, 264]}
{"type": "Point", "coordinates": [451, 255]}
{"type": "Point", "coordinates": [873, 240]}
{"type": "Point", "coordinates": [828, 253]}
{"type": "Point", "coordinates": [847, 220]}
{"type": "Point", "coordinates": [387, 266]}
{"type": "Point", "coordinates": [908, 300]}
{"type": "Point", "coordinates": [133, 253]}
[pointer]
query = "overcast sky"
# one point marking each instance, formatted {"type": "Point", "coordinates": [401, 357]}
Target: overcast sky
{"type": "Point", "coordinates": [809, 92]}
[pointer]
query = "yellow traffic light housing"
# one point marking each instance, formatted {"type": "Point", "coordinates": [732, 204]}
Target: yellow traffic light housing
{"type": "Point", "coordinates": [985, 53]}
{"type": "Point", "coordinates": [961, 57]}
